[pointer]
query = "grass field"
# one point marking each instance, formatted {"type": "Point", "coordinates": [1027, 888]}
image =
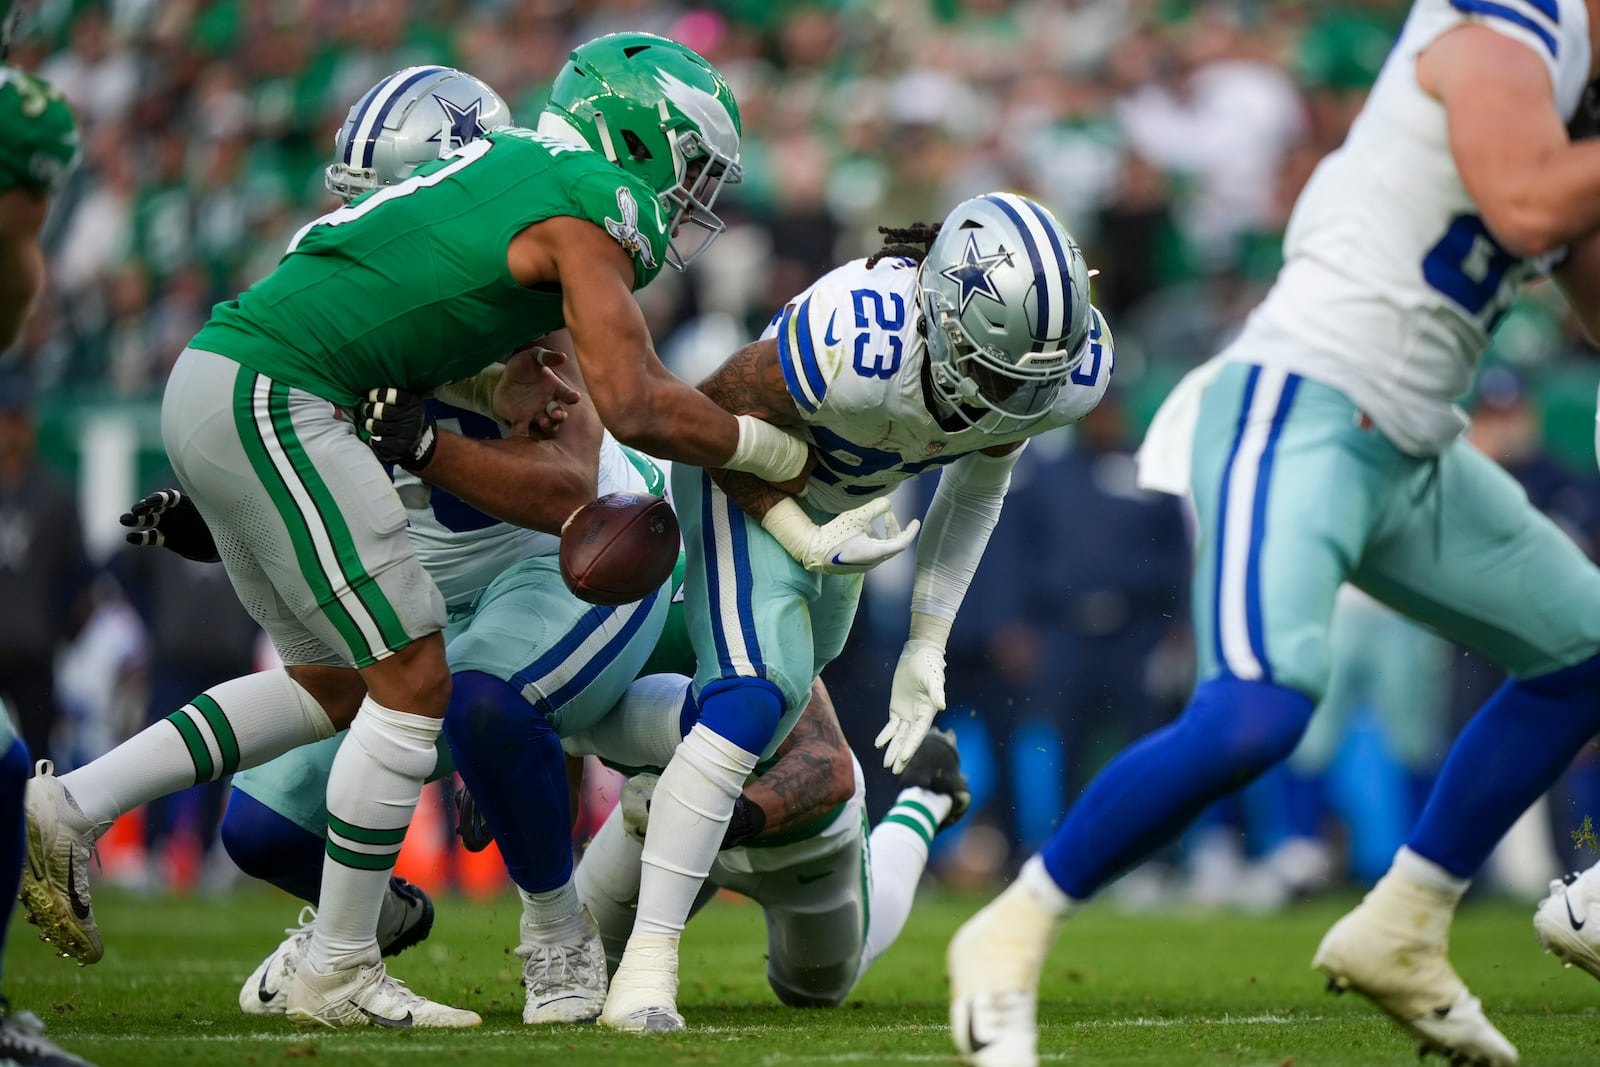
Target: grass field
{"type": "Point", "coordinates": [1120, 990]}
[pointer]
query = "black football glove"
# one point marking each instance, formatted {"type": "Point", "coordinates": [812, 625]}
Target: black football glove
{"type": "Point", "coordinates": [396, 426]}
{"type": "Point", "coordinates": [168, 519]}
{"type": "Point", "coordinates": [470, 825]}
{"type": "Point", "coordinates": [748, 821]}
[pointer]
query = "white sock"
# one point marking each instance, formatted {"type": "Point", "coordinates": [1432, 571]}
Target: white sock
{"type": "Point", "coordinates": [373, 788]}
{"type": "Point", "coordinates": [607, 881]}
{"type": "Point", "coordinates": [688, 815]}
{"type": "Point", "coordinates": [553, 916]}
{"type": "Point", "coordinates": [644, 728]}
{"type": "Point", "coordinates": [1429, 874]}
{"type": "Point", "coordinates": [898, 851]}
{"type": "Point", "coordinates": [1035, 878]}
{"type": "Point", "coordinates": [238, 724]}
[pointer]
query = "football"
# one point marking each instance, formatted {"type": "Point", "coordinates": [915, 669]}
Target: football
{"type": "Point", "coordinates": [619, 548]}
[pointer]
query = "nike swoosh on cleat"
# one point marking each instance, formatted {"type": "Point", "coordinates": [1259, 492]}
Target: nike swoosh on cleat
{"type": "Point", "coordinates": [79, 908]}
{"type": "Point", "coordinates": [827, 335]}
{"type": "Point", "coordinates": [263, 992]}
{"type": "Point", "coordinates": [401, 1023]}
{"type": "Point", "coordinates": [1571, 918]}
{"type": "Point", "coordinates": [977, 1043]}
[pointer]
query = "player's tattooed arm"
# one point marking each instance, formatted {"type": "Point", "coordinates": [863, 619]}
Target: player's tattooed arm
{"type": "Point", "coordinates": [751, 383]}
{"type": "Point", "coordinates": [814, 772]}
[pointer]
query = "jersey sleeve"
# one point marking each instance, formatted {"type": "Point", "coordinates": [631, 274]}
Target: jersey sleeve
{"type": "Point", "coordinates": [38, 135]}
{"type": "Point", "coordinates": [811, 331]}
{"type": "Point", "coordinates": [1542, 25]}
{"type": "Point", "coordinates": [628, 211]}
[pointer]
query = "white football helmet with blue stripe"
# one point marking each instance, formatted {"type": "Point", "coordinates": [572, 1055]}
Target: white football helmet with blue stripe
{"type": "Point", "coordinates": [1005, 303]}
{"type": "Point", "coordinates": [410, 117]}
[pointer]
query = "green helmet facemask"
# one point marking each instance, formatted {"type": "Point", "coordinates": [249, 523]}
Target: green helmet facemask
{"type": "Point", "coordinates": [662, 113]}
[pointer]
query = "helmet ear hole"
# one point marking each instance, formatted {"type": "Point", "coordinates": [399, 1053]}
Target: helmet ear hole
{"type": "Point", "coordinates": [636, 146]}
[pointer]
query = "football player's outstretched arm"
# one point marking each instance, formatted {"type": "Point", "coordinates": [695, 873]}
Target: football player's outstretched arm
{"type": "Point", "coordinates": [22, 215]}
{"type": "Point", "coordinates": [1536, 189]}
{"type": "Point", "coordinates": [750, 382]}
{"type": "Point", "coordinates": [960, 519]}
{"type": "Point", "coordinates": [813, 774]}
{"type": "Point", "coordinates": [639, 400]}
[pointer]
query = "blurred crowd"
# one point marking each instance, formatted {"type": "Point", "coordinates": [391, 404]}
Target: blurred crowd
{"type": "Point", "coordinates": [1171, 136]}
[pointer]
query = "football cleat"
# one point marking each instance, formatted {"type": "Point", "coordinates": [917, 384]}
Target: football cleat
{"type": "Point", "coordinates": [266, 991]}
{"type": "Point", "coordinates": [1568, 920]}
{"type": "Point", "coordinates": [1391, 949]}
{"type": "Point", "coordinates": [55, 879]}
{"type": "Point", "coordinates": [644, 991]}
{"type": "Point", "coordinates": [365, 995]}
{"type": "Point", "coordinates": [23, 1044]}
{"type": "Point", "coordinates": [565, 980]}
{"type": "Point", "coordinates": [406, 918]}
{"type": "Point", "coordinates": [635, 804]}
{"type": "Point", "coordinates": [994, 964]}
{"type": "Point", "coordinates": [936, 767]}
{"type": "Point", "coordinates": [471, 826]}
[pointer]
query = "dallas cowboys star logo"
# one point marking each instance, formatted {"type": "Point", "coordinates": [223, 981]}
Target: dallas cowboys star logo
{"type": "Point", "coordinates": [464, 122]}
{"type": "Point", "coordinates": [973, 273]}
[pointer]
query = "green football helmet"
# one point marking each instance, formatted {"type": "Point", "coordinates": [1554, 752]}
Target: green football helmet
{"type": "Point", "coordinates": [10, 15]}
{"type": "Point", "coordinates": [661, 112]}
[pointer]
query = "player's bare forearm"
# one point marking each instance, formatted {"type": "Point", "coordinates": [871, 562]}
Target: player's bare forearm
{"type": "Point", "coordinates": [525, 481]}
{"type": "Point", "coordinates": [814, 772]}
{"type": "Point", "coordinates": [1579, 278]}
{"type": "Point", "coordinates": [754, 496]}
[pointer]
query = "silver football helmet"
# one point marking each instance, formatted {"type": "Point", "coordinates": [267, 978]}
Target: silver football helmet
{"type": "Point", "coordinates": [410, 117]}
{"type": "Point", "coordinates": [1005, 304]}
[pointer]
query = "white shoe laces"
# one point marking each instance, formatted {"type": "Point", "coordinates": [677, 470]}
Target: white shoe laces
{"type": "Point", "coordinates": [558, 966]}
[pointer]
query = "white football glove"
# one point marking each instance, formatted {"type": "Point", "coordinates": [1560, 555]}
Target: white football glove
{"type": "Point", "coordinates": [917, 696]}
{"type": "Point", "coordinates": [847, 544]}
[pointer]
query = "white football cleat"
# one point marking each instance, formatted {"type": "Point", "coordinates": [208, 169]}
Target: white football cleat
{"type": "Point", "coordinates": [365, 995]}
{"type": "Point", "coordinates": [266, 991]}
{"type": "Point", "coordinates": [1392, 950]}
{"type": "Point", "coordinates": [644, 991]}
{"type": "Point", "coordinates": [994, 964]}
{"type": "Point", "coordinates": [55, 879]}
{"type": "Point", "coordinates": [565, 980]}
{"type": "Point", "coordinates": [1568, 920]}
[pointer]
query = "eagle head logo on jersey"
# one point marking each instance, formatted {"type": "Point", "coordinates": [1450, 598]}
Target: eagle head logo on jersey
{"type": "Point", "coordinates": [627, 232]}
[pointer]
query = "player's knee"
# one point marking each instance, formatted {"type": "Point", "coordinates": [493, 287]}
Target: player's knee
{"type": "Point", "coordinates": [416, 679]}
{"type": "Point", "coordinates": [485, 711]}
{"type": "Point", "coordinates": [255, 837]}
{"type": "Point", "coordinates": [745, 711]}
{"type": "Point", "coordinates": [1250, 726]}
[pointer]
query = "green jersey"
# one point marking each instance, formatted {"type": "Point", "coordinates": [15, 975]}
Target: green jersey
{"type": "Point", "coordinates": [408, 285]}
{"type": "Point", "coordinates": [38, 135]}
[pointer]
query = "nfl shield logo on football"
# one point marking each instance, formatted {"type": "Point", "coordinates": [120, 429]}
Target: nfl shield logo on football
{"type": "Point", "coordinates": [933, 448]}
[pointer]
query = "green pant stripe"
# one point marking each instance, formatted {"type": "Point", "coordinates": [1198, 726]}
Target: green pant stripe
{"type": "Point", "coordinates": [915, 824]}
{"type": "Point", "coordinates": [198, 752]}
{"type": "Point", "coordinates": [866, 879]}
{"type": "Point", "coordinates": [366, 589]}
{"type": "Point", "coordinates": [918, 807]}
{"type": "Point", "coordinates": [361, 861]}
{"type": "Point", "coordinates": [227, 742]}
{"type": "Point", "coordinates": [305, 553]}
{"type": "Point", "coordinates": [365, 834]}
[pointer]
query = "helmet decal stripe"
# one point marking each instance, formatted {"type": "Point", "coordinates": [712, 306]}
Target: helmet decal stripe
{"type": "Point", "coordinates": [1041, 283]}
{"type": "Point", "coordinates": [1063, 266]}
{"type": "Point", "coordinates": [369, 124]}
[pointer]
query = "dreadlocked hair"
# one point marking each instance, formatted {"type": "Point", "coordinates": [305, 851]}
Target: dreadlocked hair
{"type": "Point", "coordinates": [911, 242]}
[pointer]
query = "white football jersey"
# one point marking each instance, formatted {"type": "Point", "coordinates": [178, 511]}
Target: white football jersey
{"type": "Point", "coordinates": [1392, 283]}
{"type": "Point", "coordinates": [462, 548]}
{"type": "Point", "coordinates": [854, 362]}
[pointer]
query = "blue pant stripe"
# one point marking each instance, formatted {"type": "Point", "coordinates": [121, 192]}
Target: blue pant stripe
{"type": "Point", "coordinates": [714, 580]}
{"type": "Point", "coordinates": [1258, 527]}
{"type": "Point", "coordinates": [744, 577]}
{"type": "Point", "coordinates": [557, 655]}
{"type": "Point", "coordinates": [597, 663]}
